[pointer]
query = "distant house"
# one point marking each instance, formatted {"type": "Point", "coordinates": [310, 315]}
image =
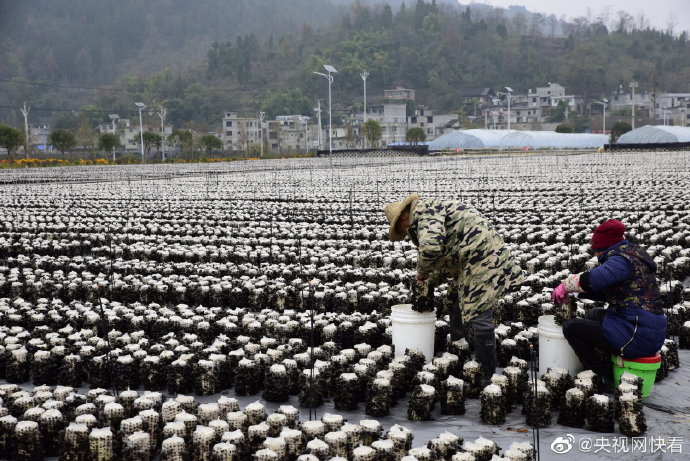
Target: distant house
{"type": "Point", "coordinates": [393, 121]}
{"type": "Point", "coordinates": [433, 125]}
{"type": "Point", "coordinates": [129, 135]}
{"type": "Point", "coordinates": [673, 108]}
{"type": "Point", "coordinates": [38, 135]}
{"type": "Point", "coordinates": [474, 99]}
{"type": "Point", "coordinates": [294, 133]}
{"type": "Point", "coordinates": [239, 132]}
{"type": "Point", "coordinates": [399, 94]}
{"type": "Point", "coordinates": [622, 98]}
{"type": "Point", "coordinates": [470, 94]}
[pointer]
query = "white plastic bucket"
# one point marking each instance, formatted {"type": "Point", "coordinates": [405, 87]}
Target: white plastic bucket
{"type": "Point", "coordinates": [554, 350]}
{"type": "Point", "coordinates": [413, 330]}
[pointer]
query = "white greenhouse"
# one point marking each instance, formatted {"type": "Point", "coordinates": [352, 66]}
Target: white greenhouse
{"type": "Point", "coordinates": [552, 140]}
{"type": "Point", "coordinates": [469, 139]}
{"type": "Point", "coordinates": [504, 139]}
{"type": "Point", "coordinates": [650, 134]}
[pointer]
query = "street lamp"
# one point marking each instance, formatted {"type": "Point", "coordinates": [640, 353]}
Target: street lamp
{"type": "Point", "coordinates": [604, 103]}
{"type": "Point", "coordinates": [114, 118]}
{"type": "Point", "coordinates": [141, 107]}
{"type": "Point", "coordinates": [364, 76]}
{"type": "Point", "coordinates": [330, 69]}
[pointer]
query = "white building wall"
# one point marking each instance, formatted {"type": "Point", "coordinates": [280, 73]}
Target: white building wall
{"type": "Point", "coordinates": [239, 132]}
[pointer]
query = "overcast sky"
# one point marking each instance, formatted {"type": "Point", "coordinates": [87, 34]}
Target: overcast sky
{"type": "Point", "coordinates": [657, 11]}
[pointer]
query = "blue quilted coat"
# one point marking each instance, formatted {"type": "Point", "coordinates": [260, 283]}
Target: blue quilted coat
{"type": "Point", "coordinates": [626, 279]}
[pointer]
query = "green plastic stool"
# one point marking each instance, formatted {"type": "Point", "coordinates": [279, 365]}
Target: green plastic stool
{"type": "Point", "coordinates": [644, 367]}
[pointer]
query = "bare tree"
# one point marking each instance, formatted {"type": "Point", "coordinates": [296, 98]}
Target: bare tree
{"type": "Point", "coordinates": [536, 23]}
{"type": "Point", "coordinates": [243, 136]}
{"type": "Point", "coordinates": [588, 17]}
{"type": "Point", "coordinates": [553, 24]}
{"type": "Point", "coordinates": [520, 24]}
{"type": "Point", "coordinates": [671, 23]}
{"type": "Point", "coordinates": [642, 21]}
{"type": "Point", "coordinates": [624, 22]}
{"type": "Point", "coordinates": [605, 16]}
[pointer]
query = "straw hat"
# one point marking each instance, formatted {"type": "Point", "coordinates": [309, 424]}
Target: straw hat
{"type": "Point", "coordinates": [393, 211]}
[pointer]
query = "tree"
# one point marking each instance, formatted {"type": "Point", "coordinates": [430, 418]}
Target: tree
{"type": "Point", "coordinates": [372, 132]}
{"type": "Point", "coordinates": [619, 128]}
{"type": "Point", "coordinates": [349, 136]}
{"type": "Point", "coordinates": [243, 135]}
{"type": "Point", "coordinates": [10, 138]}
{"type": "Point", "coordinates": [66, 121]}
{"type": "Point", "coordinates": [85, 134]}
{"type": "Point", "coordinates": [415, 135]}
{"type": "Point", "coordinates": [150, 140]}
{"type": "Point", "coordinates": [210, 142]}
{"type": "Point", "coordinates": [183, 139]}
{"type": "Point", "coordinates": [108, 142]}
{"type": "Point", "coordinates": [557, 114]}
{"type": "Point", "coordinates": [287, 102]}
{"type": "Point", "coordinates": [564, 128]}
{"type": "Point", "coordinates": [62, 140]}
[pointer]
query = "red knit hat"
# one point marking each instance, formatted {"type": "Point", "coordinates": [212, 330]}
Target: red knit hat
{"type": "Point", "coordinates": [607, 234]}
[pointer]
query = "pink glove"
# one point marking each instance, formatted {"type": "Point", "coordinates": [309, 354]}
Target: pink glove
{"type": "Point", "coordinates": [560, 294]}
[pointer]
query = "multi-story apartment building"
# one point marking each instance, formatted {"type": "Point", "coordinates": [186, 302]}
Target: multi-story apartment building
{"type": "Point", "coordinates": [292, 133]}
{"type": "Point", "coordinates": [433, 125]}
{"type": "Point", "coordinates": [239, 132]}
{"type": "Point", "coordinates": [530, 111]}
{"type": "Point", "coordinates": [129, 135]}
{"type": "Point", "coordinates": [393, 120]}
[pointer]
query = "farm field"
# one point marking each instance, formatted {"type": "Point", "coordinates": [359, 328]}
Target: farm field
{"type": "Point", "coordinates": [167, 311]}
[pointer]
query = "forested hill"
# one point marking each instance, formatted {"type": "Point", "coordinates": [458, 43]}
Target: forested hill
{"type": "Point", "coordinates": [92, 39]}
{"type": "Point", "coordinates": [205, 57]}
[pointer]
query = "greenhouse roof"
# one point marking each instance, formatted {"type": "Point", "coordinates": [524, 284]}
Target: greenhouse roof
{"type": "Point", "coordinates": [478, 139]}
{"type": "Point", "coordinates": [650, 134]}
{"type": "Point", "coordinates": [553, 140]}
{"type": "Point", "coordinates": [464, 139]}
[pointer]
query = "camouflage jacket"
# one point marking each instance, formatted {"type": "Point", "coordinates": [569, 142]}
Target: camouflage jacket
{"type": "Point", "coordinates": [455, 241]}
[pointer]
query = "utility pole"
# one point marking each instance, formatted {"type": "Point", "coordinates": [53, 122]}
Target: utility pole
{"type": "Point", "coordinates": [262, 116]}
{"type": "Point", "coordinates": [114, 118]}
{"type": "Point", "coordinates": [633, 85]}
{"type": "Point", "coordinates": [317, 109]}
{"type": "Point", "coordinates": [306, 135]}
{"type": "Point", "coordinates": [654, 97]}
{"type": "Point", "coordinates": [25, 110]}
{"type": "Point", "coordinates": [162, 113]}
{"type": "Point", "coordinates": [141, 107]}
